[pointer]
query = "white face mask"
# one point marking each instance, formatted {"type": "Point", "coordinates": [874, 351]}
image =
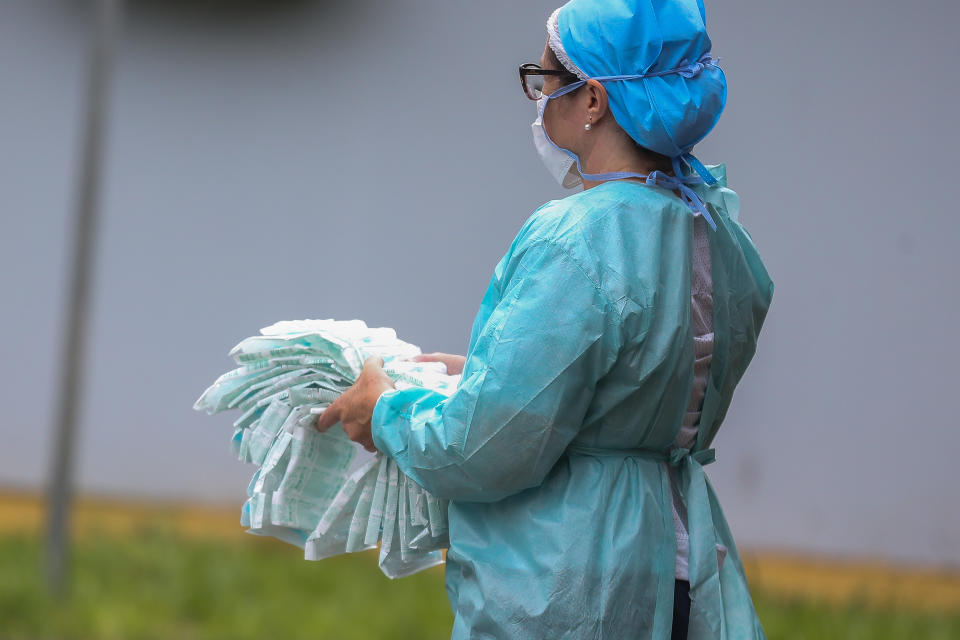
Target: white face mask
{"type": "Point", "coordinates": [561, 166]}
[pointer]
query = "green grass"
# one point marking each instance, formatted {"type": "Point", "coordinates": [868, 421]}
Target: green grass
{"type": "Point", "coordinates": [804, 620]}
{"type": "Point", "coordinates": [156, 585]}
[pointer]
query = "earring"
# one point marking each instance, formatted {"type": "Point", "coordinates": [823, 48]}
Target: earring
{"type": "Point", "coordinates": [588, 126]}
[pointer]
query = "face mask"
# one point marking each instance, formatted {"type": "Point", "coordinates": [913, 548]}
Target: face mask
{"type": "Point", "coordinates": [561, 166]}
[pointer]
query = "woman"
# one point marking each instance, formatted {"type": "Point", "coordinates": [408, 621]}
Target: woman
{"type": "Point", "coordinates": [602, 361]}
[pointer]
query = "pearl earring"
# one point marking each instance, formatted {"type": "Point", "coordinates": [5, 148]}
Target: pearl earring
{"type": "Point", "coordinates": [588, 126]}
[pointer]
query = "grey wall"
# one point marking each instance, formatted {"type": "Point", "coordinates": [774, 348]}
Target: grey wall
{"type": "Point", "coordinates": [373, 160]}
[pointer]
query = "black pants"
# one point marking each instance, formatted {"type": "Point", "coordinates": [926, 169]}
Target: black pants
{"type": "Point", "coordinates": [681, 610]}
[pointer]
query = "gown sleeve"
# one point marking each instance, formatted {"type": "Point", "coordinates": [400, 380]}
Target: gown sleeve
{"type": "Point", "coordinates": [529, 378]}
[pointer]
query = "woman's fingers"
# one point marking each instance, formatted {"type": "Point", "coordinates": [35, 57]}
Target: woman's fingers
{"type": "Point", "coordinates": [354, 407]}
{"type": "Point", "coordinates": [372, 364]}
{"type": "Point", "coordinates": [331, 415]}
{"type": "Point", "coordinates": [453, 362]}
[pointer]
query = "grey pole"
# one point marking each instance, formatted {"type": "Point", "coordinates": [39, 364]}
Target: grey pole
{"type": "Point", "coordinates": [71, 364]}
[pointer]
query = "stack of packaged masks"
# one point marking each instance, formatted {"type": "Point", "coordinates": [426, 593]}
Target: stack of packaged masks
{"type": "Point", "coordinates": [321, 491]}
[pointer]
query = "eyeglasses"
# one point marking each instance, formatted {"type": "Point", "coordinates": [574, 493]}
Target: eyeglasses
{"type": "Point", "coordinates": [531, 78]}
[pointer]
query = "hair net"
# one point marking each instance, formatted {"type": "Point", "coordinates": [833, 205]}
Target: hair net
{"type": "Point", "coordinates": [666, 113]}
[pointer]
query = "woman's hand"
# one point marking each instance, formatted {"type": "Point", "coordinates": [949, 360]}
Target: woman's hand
{"type": "Point", "coordinates": [454, 363]}
{"type": "Point", "coordinates": [354, 407]}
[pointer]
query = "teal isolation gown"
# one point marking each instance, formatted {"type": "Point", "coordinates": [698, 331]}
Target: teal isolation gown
{"type": "Point", "coordinates": [554, 450]}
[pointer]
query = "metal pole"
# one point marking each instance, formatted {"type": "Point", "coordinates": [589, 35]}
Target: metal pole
{"type": "Point", "coordinates": [74, 329]}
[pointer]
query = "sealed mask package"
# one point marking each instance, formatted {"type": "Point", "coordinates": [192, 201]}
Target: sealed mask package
{"type": "Point", "coordinates": [320, 491]}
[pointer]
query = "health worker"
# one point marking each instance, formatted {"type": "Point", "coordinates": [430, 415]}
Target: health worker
{"type": "Point", "coordinates": [602, 361]}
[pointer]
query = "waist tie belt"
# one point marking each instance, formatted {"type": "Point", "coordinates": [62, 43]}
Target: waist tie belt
{"type": "Point", "coordinates": [674, 457]}
{"type": "Point", "coordinates": [704, 565]}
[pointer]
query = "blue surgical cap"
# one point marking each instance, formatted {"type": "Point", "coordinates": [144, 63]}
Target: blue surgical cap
{"type": "Point", "coordinates": [666, 113]}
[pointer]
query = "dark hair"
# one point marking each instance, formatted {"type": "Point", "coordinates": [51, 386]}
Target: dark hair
{"type": "Point", "coordinates": [657, 160]}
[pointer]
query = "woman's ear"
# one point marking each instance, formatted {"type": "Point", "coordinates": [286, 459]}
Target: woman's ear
{"type": "Point", "coordinates": [596, 99]}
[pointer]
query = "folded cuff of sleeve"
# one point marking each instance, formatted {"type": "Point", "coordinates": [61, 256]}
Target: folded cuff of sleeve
{"type": "Point", "coordinates": [390, 424]}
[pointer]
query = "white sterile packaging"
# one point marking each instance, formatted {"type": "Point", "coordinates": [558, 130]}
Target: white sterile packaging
{"type": "Point", "coordinates": [321, 491]}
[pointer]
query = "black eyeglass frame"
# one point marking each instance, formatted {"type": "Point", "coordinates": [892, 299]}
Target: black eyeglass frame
{"type": "Point", "coordinates": [533, 69]}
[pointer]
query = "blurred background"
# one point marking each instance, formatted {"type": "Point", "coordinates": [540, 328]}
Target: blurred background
{"type": "Point", "coordinates": [367, 159]}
